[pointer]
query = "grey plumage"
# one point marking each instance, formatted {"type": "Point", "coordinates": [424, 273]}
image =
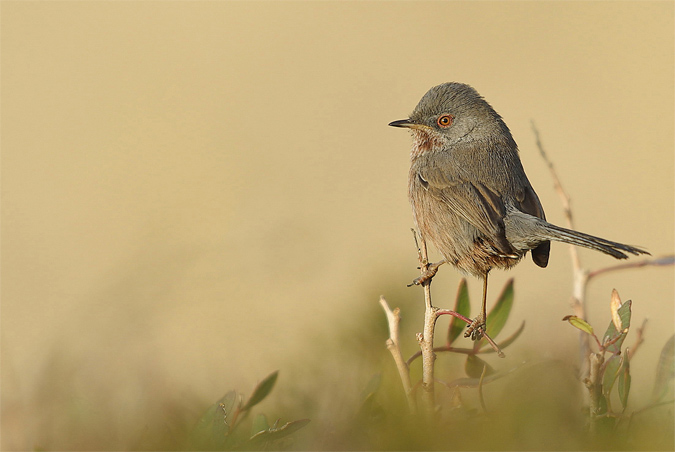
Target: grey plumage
{"type": "Point", "coordinates": [469, 193]}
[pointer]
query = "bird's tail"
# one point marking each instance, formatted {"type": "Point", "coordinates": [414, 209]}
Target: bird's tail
{"type": "Point", "coordinates": [617, 250]}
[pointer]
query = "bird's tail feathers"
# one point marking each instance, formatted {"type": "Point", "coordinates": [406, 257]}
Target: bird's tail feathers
{"type": "Point", "coordinates": [617, 250]}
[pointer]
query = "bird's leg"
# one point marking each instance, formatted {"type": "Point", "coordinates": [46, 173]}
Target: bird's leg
{"type": "Point", "coordinates": [429, 272]}
{"type": "Point", "coordinates": [477, 328]}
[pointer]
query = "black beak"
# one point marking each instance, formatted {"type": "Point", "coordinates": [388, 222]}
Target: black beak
{"type": "Point", "coordinates": [402, 123]}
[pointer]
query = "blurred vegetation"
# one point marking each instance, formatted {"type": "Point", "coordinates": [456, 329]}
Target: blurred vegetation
{"type": "Point", "coordinates": [342, 391]}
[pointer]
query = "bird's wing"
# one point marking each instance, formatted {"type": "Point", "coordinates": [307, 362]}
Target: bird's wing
{"type": "Point", "coordinates": [528, 202]}
{"type": "Point", "coordinates": [475, 202]}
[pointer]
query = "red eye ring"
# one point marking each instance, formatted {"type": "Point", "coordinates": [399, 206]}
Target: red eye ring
{"type": "Point", "coordinates": [445, 121]}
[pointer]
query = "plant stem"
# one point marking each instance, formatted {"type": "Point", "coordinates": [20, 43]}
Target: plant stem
{"type": "Point", "coordinates": [393, 319]}
{"type": "Point", "coordinates": [427, 339]}
{"type": "Point", "coordinates": [594, 385]}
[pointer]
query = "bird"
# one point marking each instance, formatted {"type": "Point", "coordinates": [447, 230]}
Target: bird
{"type": "Point", "coordinates": [470, 196]}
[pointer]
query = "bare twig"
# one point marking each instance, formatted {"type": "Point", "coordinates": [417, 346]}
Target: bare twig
{"type": "Point", "coordinates": [660, 262]}
{"type": "Point", "coordinates": [461, 317]}
{"type": "Point", "coordinates": [426, 339]}
{"type": "Point", "coordinates": [638, 340]}
{"type": "Point", "coordinates": [580, 275]}
{"type": "Point", "coordinates": [393, 319]}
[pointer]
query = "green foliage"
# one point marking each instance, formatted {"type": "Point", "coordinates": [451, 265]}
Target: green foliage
{"type": "Point", "coordinates": [602, 383]}
{"type": "Point", "coordinates": [665, 371]}
{"type": "Point", "coordinates": [474, 367]}
{"type": "Point", "coordinates": [219, 427]}
{"type": "Point", "coordinates": [261, 391]}
{"type": "Point", "coordinates": [614, 338]}
{"type": "Point", "coordinates": [579, 323]}
{"type": "Point", "coordinates": [462, 306]}
{"type": "Point", "coordinates": [499, 314]}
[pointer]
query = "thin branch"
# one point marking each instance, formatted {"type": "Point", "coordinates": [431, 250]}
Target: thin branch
{"type": "Point", "coordinates": [441, 312]}
{"type": "Point", "coordinates": [660, 262]}
{"type": "Point", "coordinates": [426, 339]}
{"type": "Point", "coordinates": [580, 275]}
{"type": "Point", "coordinates": [638, 340]}
{"type": "Point", "coordinates": [393, 319]}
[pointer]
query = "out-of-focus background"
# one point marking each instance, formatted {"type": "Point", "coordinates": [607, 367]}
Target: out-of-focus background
{"type": "Point", "coordinates": [195, 194]}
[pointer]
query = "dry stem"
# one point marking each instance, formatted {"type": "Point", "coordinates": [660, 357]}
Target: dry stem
{"type": "Point", "coordinates": [393, 319]}
{"type": "Point", "coordinates": [426, 339]}
{"type": "Point", "coordinates": [580, 275]}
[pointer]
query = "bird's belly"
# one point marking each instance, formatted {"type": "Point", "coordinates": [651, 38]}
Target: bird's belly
{"type": "Point", "coordinates": [457, 240]}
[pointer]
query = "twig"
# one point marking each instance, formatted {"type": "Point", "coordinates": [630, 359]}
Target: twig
{"type": "Point", "coordinates": [441, 312]}
{"type": "Point", "coordinates": [580, 275]}
{"type": "Point", "coordinates": [662, 261]}
{"type": "Point", "coordinates": [426, 339]}
{"type": "Point", "coordinates": [393, 319]}
{"type": "Point", "coordinates": [638, 340]}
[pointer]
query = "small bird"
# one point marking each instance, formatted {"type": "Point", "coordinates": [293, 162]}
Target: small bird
{"type": "Point", "coordinates": [469, 193]}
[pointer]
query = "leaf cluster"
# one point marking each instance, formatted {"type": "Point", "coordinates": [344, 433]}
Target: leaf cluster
{"type": "Point", "coordinates": [610, 364]}
{"type": "Point", "coordinates": [220, 428]}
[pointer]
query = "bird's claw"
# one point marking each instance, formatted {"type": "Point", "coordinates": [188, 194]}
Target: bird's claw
{"type": "Point", "coordinates": [429, 272]}
{"type": "Point", "coordinates": [476, 330]}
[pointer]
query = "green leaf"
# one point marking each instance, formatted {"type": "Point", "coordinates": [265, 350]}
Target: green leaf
{"type": "Point", "coordinates": [274, 434]}
{"type": "Point", "coordinates": [259, 424]}
{"type": "Point", "coordinates": [462, 306]}
{"type": "Point", "coordinates": [624, 382]}
{"type": "Point", "coordinates": [602, 404]}
{"type": "Point", "coordinates": [213, 427]}
{"type": "Point", "coordinates": [474, 367]}
{"type": "Point", "coordinates": [506, 342]}
{"type": "Point", "coordinates": [612, 333]}
{"type": "Point", "coordinates": [499, 313]}
{"type": "Point", "coordinates": [612, 367]}
{"type": "Point", "coordinates": [261, 391]}
{"type": "Point", "coordinates": [579, 323]}
{"type": "Point", "coordinates": [372, 386]}
{"type": "Point", "coordinates": [665, 370]}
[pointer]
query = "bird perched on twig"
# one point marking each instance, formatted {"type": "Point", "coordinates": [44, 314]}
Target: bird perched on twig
{"type": "Point", "coordinates": [469, 193]}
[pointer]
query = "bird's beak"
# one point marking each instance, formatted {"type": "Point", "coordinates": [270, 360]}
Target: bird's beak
{"type": "Point", "coordinates": [402, 123]}
{"type": "Point", "coordinates": [407, 123]}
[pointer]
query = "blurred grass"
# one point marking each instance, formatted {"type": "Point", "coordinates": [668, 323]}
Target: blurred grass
{"type": "Point", "coordinates": [344, 381]}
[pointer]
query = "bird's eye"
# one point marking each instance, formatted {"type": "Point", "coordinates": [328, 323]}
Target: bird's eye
{"type": "Point", "coordinates": [445, 121]}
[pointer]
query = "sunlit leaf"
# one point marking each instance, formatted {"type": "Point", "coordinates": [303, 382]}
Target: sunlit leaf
{"type": "Point", "coordinates": [614, 306]}
{"type": "Point", "coordinates": [665, 370]}
{"type": "Point", "coordinates": [624, 382]}
{"type": "Point", "coordinates": [579, 323]}
{"type": "Point", "coordinates": [462, 306]}
{"type": "Point", "coordinates": [624, 313]}
{"type": "Point", "coordinates": [474, 367]}
{"type": "Point", "coordinates": [261, 391]}
{"type": "Point", "coordinates": [496, 318]}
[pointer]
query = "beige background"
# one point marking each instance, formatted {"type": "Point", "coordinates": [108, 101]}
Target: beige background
{"type": "Point", "coordinates": [191, 188]}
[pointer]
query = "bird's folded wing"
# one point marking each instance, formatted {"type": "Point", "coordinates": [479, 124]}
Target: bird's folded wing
{"type": "Point", "coordinates": [480, 206]}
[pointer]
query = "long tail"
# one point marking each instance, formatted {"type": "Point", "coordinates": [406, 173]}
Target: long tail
{"type": "Point", "coordinates": [525, 231]}
{"type": "Point", "coordinates": [618, 250]}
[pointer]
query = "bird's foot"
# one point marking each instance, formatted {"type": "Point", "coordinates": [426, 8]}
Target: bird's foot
{"type": "Point", "coordinates": [477, 328]}
{"type": "Point", "coordinates": [429, 273]}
